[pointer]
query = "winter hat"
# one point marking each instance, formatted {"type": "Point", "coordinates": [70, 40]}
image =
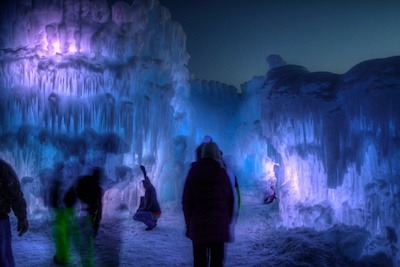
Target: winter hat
{"type": "Point", "coordinates": [210, 150]}
{"type": "Point", "coordinates": [207, 139]}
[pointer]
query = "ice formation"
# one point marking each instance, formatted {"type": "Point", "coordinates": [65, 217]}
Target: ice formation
{"type": "Point", "coordinates": [86, 83]}
{"type": "Point", "coordinates": [329, 142]}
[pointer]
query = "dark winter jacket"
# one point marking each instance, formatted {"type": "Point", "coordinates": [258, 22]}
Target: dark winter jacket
{"type": "Point", "coordinates": [198, 151]}
{"type": "Point", "coordinates": [207, 202]}
{"type": "Point", "coordinates": [89, 191]}
{"type": "Point", "coordinates": [149, 201]}
{"type": "Point", "coordinates": [11, 196]}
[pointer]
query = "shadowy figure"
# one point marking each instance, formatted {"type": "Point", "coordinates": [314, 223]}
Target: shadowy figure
{"type": "Point", "coordinates": [229, 170]}
{"type": "Point", "coordinates": [149, 210]}
{"type": "Point", "coordinates": [89, 191]}
{"type": "Point", "coordinates": [234, 184]}
{"type": "Point", "coordinates": [207, 204]}
{"type": "Point", "coordinates": [87, 194]}
{"type": "Point", "coordinates": [11, 197]}
{"type": "Point", "coordinates": [64, 216]}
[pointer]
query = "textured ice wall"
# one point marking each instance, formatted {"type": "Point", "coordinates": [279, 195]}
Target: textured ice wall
{"type": "Point", "coordinates": [215, 106]}
{"type": "Point", "coordinates": [88, 83]}
{"type": "Point", "coordinates": [255, 158]}
{"type": "Point", "coordinates": [336, 139]}
{"type": "Point", "coordinates": [210, 109]}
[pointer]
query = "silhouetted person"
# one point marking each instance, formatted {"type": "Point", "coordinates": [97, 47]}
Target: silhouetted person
{"type": "Point", "coordinates": [88, 193]}
{"type": "Point", "coordinates": [64, 224]}
{"type": "Point", "coordinates": [231, 174]}
{"type": "Point", "coordinates": [149, 210]}
{"type": "Point", "coordinates": [11, 198]}
{"type": "Point", "coordinates": [207, 205]}
{"type": "Point", "coordinates": [233, 180]}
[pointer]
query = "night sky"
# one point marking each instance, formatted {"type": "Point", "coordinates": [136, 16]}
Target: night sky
{"type": "Point", "coordinates": [229, 40]}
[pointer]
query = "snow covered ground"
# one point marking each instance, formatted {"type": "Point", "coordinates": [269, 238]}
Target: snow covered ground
{"type": "Point", "coordinates": [124, 242]}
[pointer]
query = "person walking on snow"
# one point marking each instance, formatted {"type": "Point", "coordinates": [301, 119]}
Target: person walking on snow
{"type": "Point", "coordinates": [88, 192]}
{"type": "Point", "coordinates": [11, 198]}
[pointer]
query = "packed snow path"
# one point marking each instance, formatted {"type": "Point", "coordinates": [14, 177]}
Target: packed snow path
{"type": "Point", "coordinates": [124, 242]}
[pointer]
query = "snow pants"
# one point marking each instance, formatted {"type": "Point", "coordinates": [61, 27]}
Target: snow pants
{"type": "Point", "coordinates": [146, 217]}
{"type": "Point", "coordinates": [68, 228]}
{"type": "Point", "coordinates": [6, 255]}
{"type": "Point", "coordinates": [64, 228]}
{"type": "Point", "coordinates": [208, 254]}
{"type": "Point", "coordinates": [86, 241]}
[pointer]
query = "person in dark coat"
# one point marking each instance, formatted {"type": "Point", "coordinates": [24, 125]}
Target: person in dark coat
{"type": "Point", "coordinates": [11, 198]}
{"type": "Point", "coordinates": [90, 192]}
{"type": "Point", "coordinates": [234, 184]}
{"type": "Point", "coordinates": [87, 191]}
{"type": "Point", "coordinates": [207, 204]}
{"type": "Point", "coordinates": [149, 210]}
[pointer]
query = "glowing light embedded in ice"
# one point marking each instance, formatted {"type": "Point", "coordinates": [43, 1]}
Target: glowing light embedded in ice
{"type": "Point", "coordinates": [56, 46]}
{"type": "Point", "coordinates": [72, 49]}
{"type": "Point", "coordinates": [269, 172]}
{"type": "Point", "coordinates": [84, 109]}
{"type": "Point", "coordinates": [292, 179]}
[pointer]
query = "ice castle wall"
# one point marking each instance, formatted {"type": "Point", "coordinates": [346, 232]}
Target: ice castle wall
{"type": "Point", "coordinates": [336, 141]}
{"type": "Point", "coordinates": [86, 83]}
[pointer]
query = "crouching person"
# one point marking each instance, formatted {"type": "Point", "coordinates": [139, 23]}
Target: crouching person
{"type": "Point", "coordinates": [149, 210]}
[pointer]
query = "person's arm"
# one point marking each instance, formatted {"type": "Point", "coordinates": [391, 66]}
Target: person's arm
{"type": "Point", "coordinates": [188, 199]}
{"type": "Point", "coordinates": [144, 171]}
{"type": "Point", "coordinates": [141, 204]}
{"type": "Point", "coordinates": [17, 201]}
{"type": "Point", "coordinates": [239, 200]}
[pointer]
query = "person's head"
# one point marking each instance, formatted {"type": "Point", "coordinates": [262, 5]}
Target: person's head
{"type": "Point", "coordinates": [211, 150]}
{"type": "Point", "coordinates": [97, 175]}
